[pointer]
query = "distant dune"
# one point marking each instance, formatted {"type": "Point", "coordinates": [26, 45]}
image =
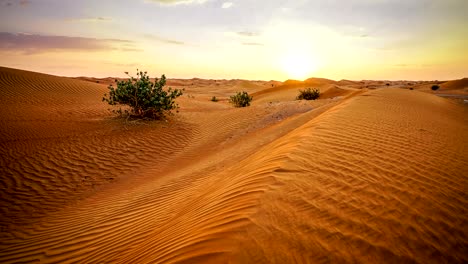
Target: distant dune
{"type": "Point", "coordinates": [369, 173]}
{"type": "Point", "coordinates": [461, 84]}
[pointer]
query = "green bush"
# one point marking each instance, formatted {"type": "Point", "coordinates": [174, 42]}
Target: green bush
{"type": "Point", "coordinates": [308, 94]}
{"type": "Point", "coordinates": [435, 87]}
{"type": "Point", "coordinates": [214, 99]}
{"type": "Point", "coordinates": [145, 98]}
{"type": "Point", "coordinates": [241, 99]}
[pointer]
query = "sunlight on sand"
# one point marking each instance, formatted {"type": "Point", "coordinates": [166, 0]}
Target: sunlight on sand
{"type": "Point", "coordinates": [368, 173]}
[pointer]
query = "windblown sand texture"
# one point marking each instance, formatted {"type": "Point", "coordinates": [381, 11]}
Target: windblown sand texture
{"type": "Point", "coordinates": [369, 173]}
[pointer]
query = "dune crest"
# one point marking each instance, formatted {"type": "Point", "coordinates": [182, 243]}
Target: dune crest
{"type": "Point", "coordinates": [367, 185]}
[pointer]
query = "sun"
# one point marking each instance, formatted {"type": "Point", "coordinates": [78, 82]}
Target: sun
{"type": "Point", "coordinates": [298, 65]}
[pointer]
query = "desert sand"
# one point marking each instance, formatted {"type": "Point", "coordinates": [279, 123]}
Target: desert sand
{"type": "Point", "coordinates": [369, 173]}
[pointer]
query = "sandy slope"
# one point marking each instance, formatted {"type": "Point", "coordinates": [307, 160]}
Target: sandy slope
{"type": "Point", "coordinates": [381, 178]}
{"type": "Point", "coordinates": [361, 176]}
{"type": "Point", "coordinates": [56, 144]}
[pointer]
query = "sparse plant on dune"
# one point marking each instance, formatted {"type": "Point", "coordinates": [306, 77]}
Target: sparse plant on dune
{"type": "Point", "coordinates": [308, 94]}
{"type": "Point", "coordinates": [145, 98]}
{"type": "Point", "coordinates": [241, 99]}
{"type": "Point", "coordinates": [435, 87]}
{"type": "Point", "coordinates": [214, 99]}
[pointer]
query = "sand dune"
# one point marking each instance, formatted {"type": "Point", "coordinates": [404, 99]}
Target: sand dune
{"type": "Point", "coordinates": [288, 90]}
{"type": "Point", "coordinates": [364, 184]}
{"type": "Point", "coordinates": [55, 145]}
{"type": "Point", "coordinates": [461, 84]}
{"type": "Point", "coordinates": [365, 176]}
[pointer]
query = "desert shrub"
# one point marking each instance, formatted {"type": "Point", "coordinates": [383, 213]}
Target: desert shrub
{"type": "Point", "coordinates": [435, 87]}
{"type": "Point", "coordinates": [411, 88]}
{"type": "Point", "coordinates": [145, 98]}
{"type": "Point", "coordinates": [214, 99]}
{"type": "Point", "coordinates": [241, 99]}
{"type": "Point", "coordinates": [308, 94]}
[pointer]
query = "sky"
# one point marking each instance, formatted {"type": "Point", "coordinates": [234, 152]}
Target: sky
{"type": "Point", "coordinates": [238, 39]}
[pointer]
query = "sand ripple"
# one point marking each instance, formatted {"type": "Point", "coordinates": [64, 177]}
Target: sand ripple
{"type": "Point", "coordinates": [373, 177]}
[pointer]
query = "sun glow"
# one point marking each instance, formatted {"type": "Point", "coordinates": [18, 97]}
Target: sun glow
{"type": "Point", "coordinates": [298, 65]}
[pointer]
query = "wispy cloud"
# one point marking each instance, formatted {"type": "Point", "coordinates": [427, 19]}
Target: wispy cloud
{"type": "Point", "coordinates": [414, 65]}
{"type": "Point", "coordinates": [252, 44]}
{"type": "Point", "coordinates": [227, 5]}
{"type": "Point", "coordinates": [9, 3]}
{"type": "Point", "coordinates": [122, 64]}
{"type": "Point", "coordinates": [177, 2]}
{"type": "Point", "coordinates": [248, 34]}
{"type": "Point", "coordinates": [164, 40]}
{"type": "Point", "coordinates": [90, 19]}
{"type": "Point", "coordinates": [32, 43]}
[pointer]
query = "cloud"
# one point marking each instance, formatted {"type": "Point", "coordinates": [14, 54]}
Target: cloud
{"type": "Point", "coordinates": [32, 43]}
{"type": "Point", "coordinates": [91, 19]}
{"type": "Point", "coordinates": [227, 5]}
{"type": "Point", "coordinates": [9, 3]}
{"type": "Point", "coordinates": [127, 65]}
{"type": "Point", "coordinates": [414, 66]}
{"type": "Point", "coordinates": [248, 34]}
{"type": "Point", "coordinates": [177, 2]}
{"type": "Point", "coordinates": [252, 44]}
{"type": "Point", "coordinates": [164, 40]}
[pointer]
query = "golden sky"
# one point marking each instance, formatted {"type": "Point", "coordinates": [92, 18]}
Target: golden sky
{"type": "Point", "coordinates": [245, 39]}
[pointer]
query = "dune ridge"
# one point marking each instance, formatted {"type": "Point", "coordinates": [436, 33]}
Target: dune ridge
{"type": "Point", "coordinates": [366, 185]}
{"type": "Point", "coordinates": [457, 85]}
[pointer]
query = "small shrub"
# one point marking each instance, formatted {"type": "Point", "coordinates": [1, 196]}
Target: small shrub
{"type": "Point", "coordinates": [308, 94]}
{"type": "Point", "coordinates": [435, 87]}
{"type": "Point", "coordinates": [387, 84]}
{"type": "Point", "coordinates": [241, 99]}
{"type": "Point", "coordinates": [214, 99]}
{"type": "Point", "coordinates": [145, 98]}
{"type": "Point", "coordinates": [411, 88]}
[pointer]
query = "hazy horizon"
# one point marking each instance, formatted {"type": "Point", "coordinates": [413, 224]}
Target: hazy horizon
{"type": "Point", "coordinates": [256, 40]}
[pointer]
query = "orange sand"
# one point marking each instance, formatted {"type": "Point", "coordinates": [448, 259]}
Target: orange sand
{"type": "Point", "coordinates": [363, 175]}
